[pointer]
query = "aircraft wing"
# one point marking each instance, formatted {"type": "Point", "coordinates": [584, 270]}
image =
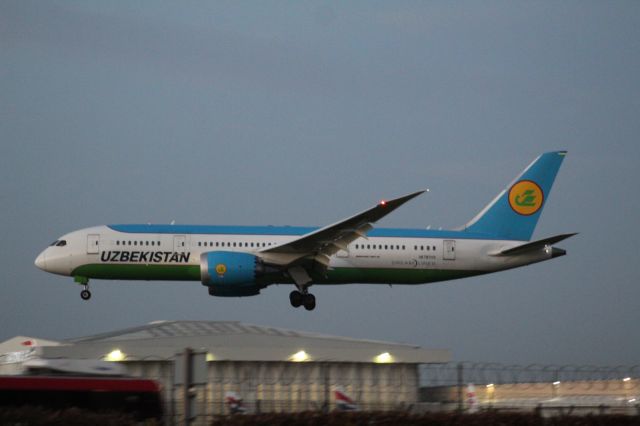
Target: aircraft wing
{"type": "Point", "coordinates": [324, 242]}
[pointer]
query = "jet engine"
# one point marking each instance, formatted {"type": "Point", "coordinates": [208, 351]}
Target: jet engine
{"type": "Point", "coordinates": [231, 274]}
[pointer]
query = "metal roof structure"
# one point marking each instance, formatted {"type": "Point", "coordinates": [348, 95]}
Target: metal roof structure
{"type": "Point", "coordinates": [237, 341]}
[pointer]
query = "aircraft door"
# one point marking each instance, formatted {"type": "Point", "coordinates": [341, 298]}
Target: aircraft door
{"type": "Point", "coordinates": [179, 243]}
{"type": "Point", "coordinates": [93, 243]}
{"type": "Point", "coordinates": [449, 247]}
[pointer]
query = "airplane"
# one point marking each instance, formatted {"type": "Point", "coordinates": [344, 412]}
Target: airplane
{"type": "Point", "coordinates": [236, 261]}
{"type": "Point", "coordinates": [235, 403]}
{"type": "Point", "coordinates": [472, 399]}
{"type": "Point", "coordinates": [344, 402]}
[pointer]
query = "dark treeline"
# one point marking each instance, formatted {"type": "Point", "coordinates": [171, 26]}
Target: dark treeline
{"type": "Point", "coordinates": [36, 416]}
{"type": "Point", "coordinates": [430, 419]}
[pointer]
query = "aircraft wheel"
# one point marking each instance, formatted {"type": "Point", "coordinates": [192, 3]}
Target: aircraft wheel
{"type": "Point", "coordinates": [309, 302]}
{"type": "Point", "coordinates": [85, 294]}
{"type": "Point", "coordinates": [295, 297]}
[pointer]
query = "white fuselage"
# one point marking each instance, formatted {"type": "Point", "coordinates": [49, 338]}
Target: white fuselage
{"type": "Point", "coordinates": [106, 248]}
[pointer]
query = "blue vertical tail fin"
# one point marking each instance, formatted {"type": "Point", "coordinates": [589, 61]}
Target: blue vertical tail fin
{"type": "Point", "coordinates": [514, 213]}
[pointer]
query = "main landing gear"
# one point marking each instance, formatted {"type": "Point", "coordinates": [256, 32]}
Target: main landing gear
{"type": "Point", "coordinates": [301, 296]}
{"type": "Point", "coordinates": [305, 299]}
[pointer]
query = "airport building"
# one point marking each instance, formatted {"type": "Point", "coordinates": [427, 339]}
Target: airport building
{"type": "Point", "coordinates": [263, 369]}
{"type": "Point", "coordinates": [270, 369]}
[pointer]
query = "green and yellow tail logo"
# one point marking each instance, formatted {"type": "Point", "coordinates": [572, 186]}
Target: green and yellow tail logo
{"type": "Point", "coordinates": [526, 197]}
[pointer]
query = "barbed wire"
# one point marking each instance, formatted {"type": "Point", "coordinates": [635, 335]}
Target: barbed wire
{"type": "Point", "coordinates": [504, 374]}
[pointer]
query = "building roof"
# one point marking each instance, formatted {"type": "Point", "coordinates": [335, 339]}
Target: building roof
{"type": "Point", "coordinates": [237, 341]}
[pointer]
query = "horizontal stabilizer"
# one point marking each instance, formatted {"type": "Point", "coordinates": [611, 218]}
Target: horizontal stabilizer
{"type": "Point", "coordinates": [533, 245]}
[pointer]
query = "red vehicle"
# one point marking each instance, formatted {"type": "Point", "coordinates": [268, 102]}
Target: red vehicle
{"type": "Point", "coordinates": [138, 397]}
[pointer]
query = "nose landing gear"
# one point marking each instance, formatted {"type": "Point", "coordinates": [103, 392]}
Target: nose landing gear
{"type": "Point", "coordinates": [85, 294]}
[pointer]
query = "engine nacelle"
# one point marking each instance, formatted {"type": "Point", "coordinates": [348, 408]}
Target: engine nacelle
{"type": "Point", "coordinates": [230, 274]}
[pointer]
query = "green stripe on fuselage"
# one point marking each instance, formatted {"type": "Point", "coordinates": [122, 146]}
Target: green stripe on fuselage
{"type": "Point", "coordinates": [392, 275]}
{"type": "Point", "coordinates": [335, 276]}
{"type": "Point", "coordinates": [120, 271]}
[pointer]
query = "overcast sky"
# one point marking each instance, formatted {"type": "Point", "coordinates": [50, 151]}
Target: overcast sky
{"type": "Point", "coordinates": [302, 113]}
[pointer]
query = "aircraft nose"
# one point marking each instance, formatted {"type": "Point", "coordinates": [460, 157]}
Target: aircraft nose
{"type": "Point", "coordinates": [41, 261]}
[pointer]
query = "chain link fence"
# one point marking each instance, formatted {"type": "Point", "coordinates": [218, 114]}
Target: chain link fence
{"type": "Point", "coordinates": [483, 373]}
{"type": "Point", "coordinates": [551, 389]}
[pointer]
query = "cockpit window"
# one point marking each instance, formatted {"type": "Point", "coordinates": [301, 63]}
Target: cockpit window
{"type": "Point", "coordinates": [61, 243]}
{"type": "Point", "coordinates": [54, 243]}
